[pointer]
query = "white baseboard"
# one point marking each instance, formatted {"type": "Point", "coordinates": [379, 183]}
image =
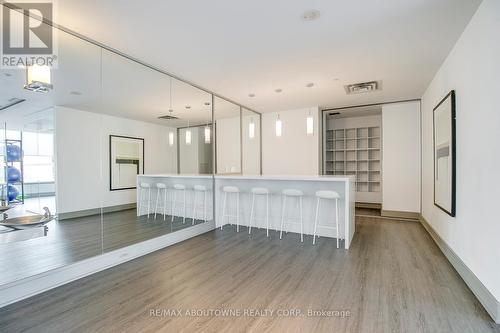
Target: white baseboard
{"type": "Point", "coordinates": [21, 289]}
{"type": "Point", "coordinates": [489, 302]}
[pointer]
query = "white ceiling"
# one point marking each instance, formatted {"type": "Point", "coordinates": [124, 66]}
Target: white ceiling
{"type": "Point", "coordinates": [239, 47]}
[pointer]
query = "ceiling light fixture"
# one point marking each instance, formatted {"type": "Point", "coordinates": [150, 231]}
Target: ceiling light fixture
{"type": "Point", "coordinates": [188, 107]}
{"type": "Point", "coordinates": [311, 15]}
{"type": "Point", "coordinates": [279, 126]}
{"type": "Point", "coordinates": [188, 137]}
{"type": "Point", "coordinates": [251, 95]}
{"type": "Point", "coordinates": [278, 90]}
{"type": "Point", "coordinates": [38, 78]}
{"type": "Point", "coordinates": [310, 85]}
{"type": "Point", "coordinates": [208, 133]}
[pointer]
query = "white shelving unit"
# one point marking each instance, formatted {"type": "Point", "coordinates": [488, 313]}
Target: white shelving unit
{"type": "Point", "coordinates": [355, 151]}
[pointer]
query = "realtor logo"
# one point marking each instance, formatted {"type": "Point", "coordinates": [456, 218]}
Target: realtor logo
{"type": "Point", "coordinates": [26, 40]}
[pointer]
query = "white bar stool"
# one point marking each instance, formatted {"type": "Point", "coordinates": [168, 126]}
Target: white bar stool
{"type": "Point", "coordinates": [161, 188]}
{"type": "Point", "coordinates": [231, 190]}
{"type": "Point", "coordinates": [256, 191]}
{"type": "Point", "coordinates": [179, 187]}
{"type": "Point", "coordinates": [292, 193]}
{"type": "Point", "coordinates": [327, 195]}
{"type": "Point", "coordinates": [143, 188]}
{"type": "Point", "coordinates": [203, 190]}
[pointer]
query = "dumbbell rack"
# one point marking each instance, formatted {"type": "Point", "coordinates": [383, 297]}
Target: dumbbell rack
{"type": "Point", "coordinates": [8, 163]}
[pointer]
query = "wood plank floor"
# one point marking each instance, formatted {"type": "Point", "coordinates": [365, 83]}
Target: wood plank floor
{"type": "Point", "coordinates": [393, 279]}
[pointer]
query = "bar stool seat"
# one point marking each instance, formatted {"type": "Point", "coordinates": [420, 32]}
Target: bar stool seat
{"type": "Point", "coordinates": [179, 186]}
{"type": "Point", "coordinates": [327, 195]}
{"type": "Point", "coordinates": [234, 191]}
{"type": "Point", "coordinates": [256, 191]}
{"type": "Point", "coordinates": [293, 193]}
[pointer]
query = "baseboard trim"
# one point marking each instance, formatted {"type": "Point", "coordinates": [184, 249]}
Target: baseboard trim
{"type": "Point", "coordinates": [400, 214]}
{"type": "Point", "coordinates": [37, 284]}
{"type": "Point", "coordinates": [95, 211]}
{"type": "Point", "coordinates": [489, 302]}
{"type": "Point", "coordinates": [369, 205]}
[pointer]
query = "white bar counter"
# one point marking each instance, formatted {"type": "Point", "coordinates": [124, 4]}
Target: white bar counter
{"type": "Point", "coordinates": [344, 185]}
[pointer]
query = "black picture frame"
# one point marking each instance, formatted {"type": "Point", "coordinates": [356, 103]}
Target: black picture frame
{"type": "Point", "coordinates": [133, 162]}
{"type": "Point", "coordinates": [452, 207]}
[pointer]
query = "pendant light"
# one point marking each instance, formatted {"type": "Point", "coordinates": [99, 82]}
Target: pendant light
{"type": "Point", "coordinates": [170, 111]}
{"type": "Point", "coordinates": [251, 129]}
{"type": "Point", "coordinates": [188, 130]}
{"type": "Point", "coordinates": [207, 128]}
{"type": "Point", "coordinates": [279, 126]}
{"type": "Point", "coordinates": [309, 124]}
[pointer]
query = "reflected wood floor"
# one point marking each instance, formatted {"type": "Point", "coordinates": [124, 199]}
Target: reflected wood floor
{"type": "Point", "coordinates": [393, 279]}
{"type": "Point", "coordinates": [73, 240]}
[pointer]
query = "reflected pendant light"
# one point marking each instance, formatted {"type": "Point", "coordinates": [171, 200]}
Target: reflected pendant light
{"type": "Point", "coordinates": [171, 138]}
{"type": "Point", "coordinates": [309, 124]}
{"type": "Point", "coordinates": [251, 129]}
{"type": "Point", "coordinates": [207, 134]}
{"type": "Point", "coordinates": [188, 137]}
{"type": "Point", "coordinates": [38, 78]}
{"type": "Point", "coordinates": [279, 125]}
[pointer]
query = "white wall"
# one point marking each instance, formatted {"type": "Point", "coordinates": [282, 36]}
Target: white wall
{"type": "Point", "coordinates": [472, 69]}
{"type": "Point", "coordinates": [82, 157]}
{"type": "Point", "coordinates": [294, 153]}
{"type": "Point", "coordinates": [401, 157]}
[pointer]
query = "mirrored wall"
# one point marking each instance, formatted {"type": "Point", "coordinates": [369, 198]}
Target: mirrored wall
{"type": "Point", "coordinates": [83, 162]}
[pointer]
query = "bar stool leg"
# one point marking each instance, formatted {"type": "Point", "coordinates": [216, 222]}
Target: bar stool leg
{"type": "Point", "coordinates": [205, 206]}
{"type": "Point", "coordinates": [223, 210]}
{"type": "Point", "coordinates": [157, 199]}
{"type": "Point", "coordinates": [251, 214]}
{"type": "Point", "coordinates": [173, 205]}
{"type": "Point", "coordinates": [267, 215]}
{"type": "Point", "coordinates": [282, 215]}
{"type": "Point", "coordinates": [149, 200]}
{"type": "Point", "coordinates": [184, 207]}
{"type": "Point", "coordinates": [316, 220]}
{"type": "Point", "coordinates": [139, 209]}
{"type": "Point", "coordinates": [194, 207]}
{"type": "Point", "coordinates": [301, 221]}
{"type": "Point", "coordinates": [238, 212]}
{"type": "Point", "coordinates": [165, 204]}
{"type": "Point", "coordinates": [337, 220]}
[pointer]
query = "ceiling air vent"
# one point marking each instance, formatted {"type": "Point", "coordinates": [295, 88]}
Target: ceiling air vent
{"type": "Point", "coordinates": [167, 117]}
{"type": "Point", "coordinates": [363, 87]}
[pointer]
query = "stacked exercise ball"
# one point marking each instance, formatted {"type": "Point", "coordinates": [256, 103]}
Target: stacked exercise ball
{"type": "Point", "coordinates": [13, 174]}
{"type": "Point", "coordinates": [12, 192]}
{"type": "Point", "coordinates": [13, 153]}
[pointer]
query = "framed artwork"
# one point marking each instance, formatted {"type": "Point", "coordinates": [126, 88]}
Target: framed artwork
{"type": "Point", "coordinates": [126, 161]}
{"type": "Point", "coordinates": [444, 141]}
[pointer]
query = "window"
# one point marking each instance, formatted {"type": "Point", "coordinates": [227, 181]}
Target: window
{"type": "Point", "coordinates": [38, 157]}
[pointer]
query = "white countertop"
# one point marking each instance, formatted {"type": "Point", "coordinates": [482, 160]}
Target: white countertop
{"type": "Point", "coordinates": [257, 177]}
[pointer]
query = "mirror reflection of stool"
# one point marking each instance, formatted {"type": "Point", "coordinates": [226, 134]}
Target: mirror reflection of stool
{"type": "Point", "coordinates": [161, 188]}
{"type": "Point", "coordinates": [176, 188]}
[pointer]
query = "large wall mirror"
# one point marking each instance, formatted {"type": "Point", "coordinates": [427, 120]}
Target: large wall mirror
{"type": "Point", "coordinates": [59, 204]}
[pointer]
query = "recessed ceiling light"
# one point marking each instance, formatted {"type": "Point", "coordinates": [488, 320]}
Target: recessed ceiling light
{"type": "Point", "coordinates": [335, 79]}
{"type": "Point", "coordinates": [7, 74]}
{"type": "Point", "coordinates": [251, 95]}
{"type": "Point", "coordinates": [207, 103]}
{"type": "Point", "coordinates": [310, 85]}
{"type": "Point", "coordinates": [188, 107]}
{"type": "Point", "coordinates": [76, 93]}
{"type": "Point", "coordinates": [311, 15]}
{"type": "Point", "coordinates": [278, 90]}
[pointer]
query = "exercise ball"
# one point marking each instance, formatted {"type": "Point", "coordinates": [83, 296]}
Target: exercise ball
{"type": "Point", "coordinates": [12, 192]}
{"type": "Point", "coordinates": [13, 153]}
{"type": "Point", "coordinates": [13, 174]}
